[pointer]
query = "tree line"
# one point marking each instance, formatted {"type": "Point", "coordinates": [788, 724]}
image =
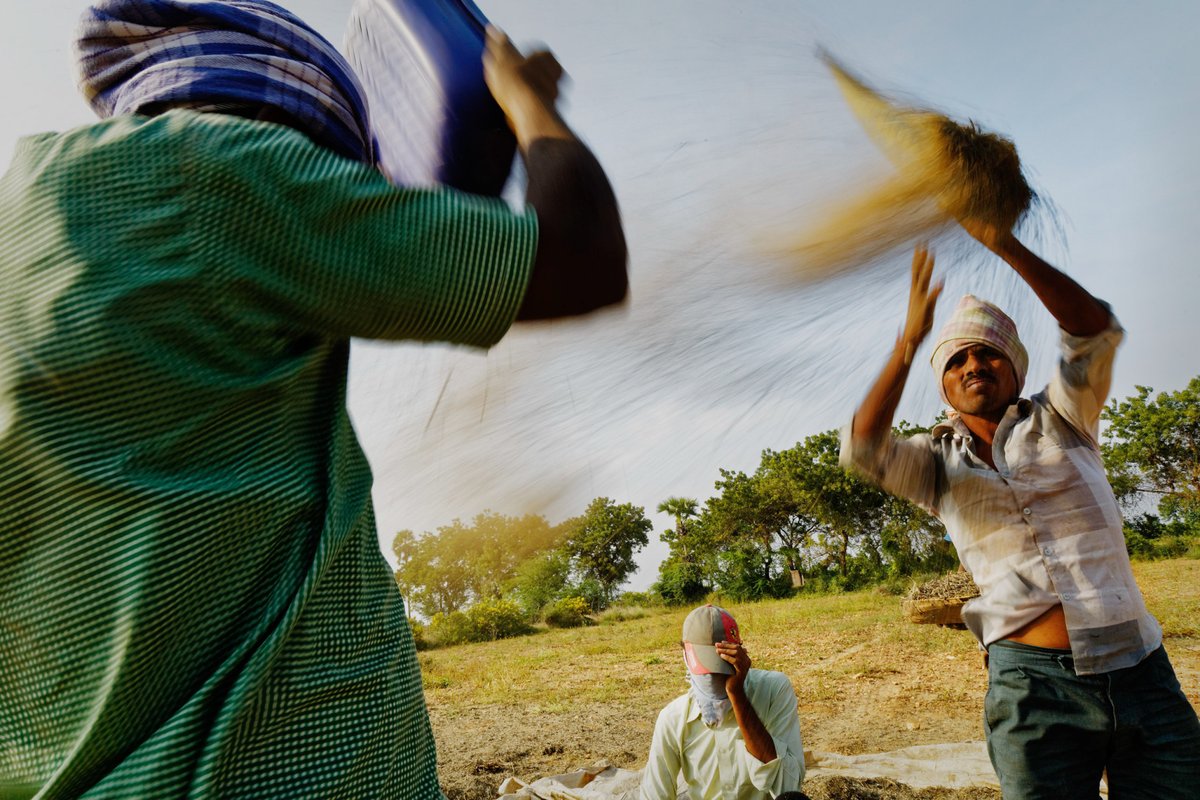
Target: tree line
{"type": "Point", "coordinates": [797, 523]}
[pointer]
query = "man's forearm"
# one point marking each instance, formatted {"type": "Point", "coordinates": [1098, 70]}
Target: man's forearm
{"type": "Point", "coordinates": [758, 740]}
{"type": "Point", "coordinates": [581, 255]}
{"type": "Point", "coordinates": [878, 409]}
{"type": "Point", "coordinates": [1075, 309]}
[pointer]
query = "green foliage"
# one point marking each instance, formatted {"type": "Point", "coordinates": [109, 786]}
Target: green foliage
{"type": "Point", "coordinates": [749, 574]}
{"type": "Point", "coordinates": [540, 581]}
{"type": "Point", "coordinates": [799, 513]}
{"type": "Point", "coordinates": [639, 599]}
{"type": "Point", "coordinates": [680, 582]}
{"type": "Point", "coordinates": [682, 509]}
{"type": "Point", "coordinates": [465, 563]}
{"type": "Point", "coordinates": [449, 629]}
{"type": "Point", "coordinates": [570, 612]}
{"type": "Point", "coordinates": [485, 621]}
{"type": "Point", "coordinates": [591, 592]}
{"type": "Point", "coordinates": [1152, 451]}
{"type": "Point", "coordinates": [602, 545]}
{"type": "Point", "coordinates": [1148, 537]}
{"type": "Point", "coordinates": [418, 633]}
{"type": "Point", "coordinates": [496, 619]}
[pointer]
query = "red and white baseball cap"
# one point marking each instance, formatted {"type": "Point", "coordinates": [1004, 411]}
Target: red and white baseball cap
{"type": "Point", "coordinates": [702, 629]}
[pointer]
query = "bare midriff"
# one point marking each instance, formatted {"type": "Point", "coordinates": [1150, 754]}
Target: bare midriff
{"type": "Point", "coordinates": [1048, 630]}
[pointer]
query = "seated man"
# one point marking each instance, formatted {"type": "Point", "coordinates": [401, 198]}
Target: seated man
{"type": "Point", "coordinates": [753, 752]}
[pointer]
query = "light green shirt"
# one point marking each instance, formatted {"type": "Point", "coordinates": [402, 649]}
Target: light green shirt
{"type": "Point", "coordinates": [192, 598]}
{"type": "Point", "coordinates": [713, 763]}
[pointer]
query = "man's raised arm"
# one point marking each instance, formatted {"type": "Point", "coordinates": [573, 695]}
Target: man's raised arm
{"type": "Point", "coordinates": [1076, 310]}
{"type": "Point", "coordinates": [878, 408]}
{"type": "Point", "coordinates": [581, 254]}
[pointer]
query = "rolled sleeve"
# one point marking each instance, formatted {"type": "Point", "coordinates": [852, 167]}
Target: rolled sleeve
{"type": "Point", "coordinates": [1079, 388]}
{"type": "Point", "coordinates": [785, 772]}
{"type": "Point", "coordinates": [904, 467]}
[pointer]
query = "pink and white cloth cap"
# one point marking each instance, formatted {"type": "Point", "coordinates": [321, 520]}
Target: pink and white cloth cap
{"type": "Point", "coordinates": [977, 321]}
{"type": "Point", "coordinates": [702, 629]}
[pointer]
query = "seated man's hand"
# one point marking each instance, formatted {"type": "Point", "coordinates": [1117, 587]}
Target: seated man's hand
{"type": "Point", "coordinates": [736, 655]}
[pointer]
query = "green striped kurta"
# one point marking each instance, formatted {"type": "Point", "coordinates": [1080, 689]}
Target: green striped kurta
{"type": "Point", "coordinates": [192, 599]}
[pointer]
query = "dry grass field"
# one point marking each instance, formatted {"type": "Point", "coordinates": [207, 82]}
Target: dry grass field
{"type": "Point", "coordinates": [867, 681]}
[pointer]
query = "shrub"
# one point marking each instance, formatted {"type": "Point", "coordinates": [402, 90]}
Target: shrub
{"type": "Point", "coordinates": [418, 633]}
{"type": "Point", "coordinates": [450, 629]}
{"type": "Point", "coordinates": [679, 582]}
{"type": "Point", "coordinates": [642, 599]}
{"type": "Point", "coordinates": [591, 591]}
{"type": "Point", "coordinates": [622, 613]}
{"type": "Point", "coordinates": [746, 576]}
{"type": "Point", "coordinates": [496, 619]}
{"type": "Point", "coordinates": [570, 612]}
{"type": "Point", "coordinates": [540, 581]}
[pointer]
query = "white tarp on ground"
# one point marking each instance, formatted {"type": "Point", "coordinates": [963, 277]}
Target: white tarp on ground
{"type": "Point", "coordinates": [953, 766]}
{"type": "Point", "coordinates": [599, 782]}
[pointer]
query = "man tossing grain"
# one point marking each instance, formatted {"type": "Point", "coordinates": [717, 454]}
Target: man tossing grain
{"type": "Point", "coordinates": [1079, 681]}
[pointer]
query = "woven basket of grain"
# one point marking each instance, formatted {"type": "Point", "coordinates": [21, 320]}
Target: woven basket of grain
{"type": "Point", "coordinates": [940, 601]}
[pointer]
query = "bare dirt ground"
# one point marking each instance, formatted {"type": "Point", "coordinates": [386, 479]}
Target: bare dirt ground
{"type": "Point", "coordinates": [875, 712]}
{"type": "Point", "coordinates": [867, 682]}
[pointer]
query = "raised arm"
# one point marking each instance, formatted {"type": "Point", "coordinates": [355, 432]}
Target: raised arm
{"type": "Point", "coordinates": [1076, 310]}
{"type": "Point", "coordinates": [581, 254]}
{"type": "Point", "coordinates": [758, 740]}
{"type": "Point", "coordinates": [878, 408]}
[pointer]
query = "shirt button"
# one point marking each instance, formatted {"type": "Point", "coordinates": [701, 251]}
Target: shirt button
{"type": "Point", "coordinates": [1066, 596]}
{"type": "Point", "coordinates": [1048, 551]}
{"type": "Point", "coordinates": [1027, 511]}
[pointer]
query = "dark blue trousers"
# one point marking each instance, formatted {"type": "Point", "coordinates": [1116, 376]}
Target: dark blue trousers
{"type": "Point", "coordinates": [1051, 734]}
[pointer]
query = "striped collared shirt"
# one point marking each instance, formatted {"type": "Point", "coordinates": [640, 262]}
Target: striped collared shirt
{"type": "Point", "coordinates": [1042, 528]}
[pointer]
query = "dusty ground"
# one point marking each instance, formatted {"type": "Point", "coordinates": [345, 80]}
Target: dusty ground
{"type": "Point", "coordinates": [875, 712]}
{"type": "Point", "coordinates": [870, 682]}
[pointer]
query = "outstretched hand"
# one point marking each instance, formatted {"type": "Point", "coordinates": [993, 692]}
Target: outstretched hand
{"type": "Point", "coordinates": [921, 302]}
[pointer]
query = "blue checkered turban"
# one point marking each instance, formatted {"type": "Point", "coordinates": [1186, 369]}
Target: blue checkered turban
{"type": "Point", "coordinates": [214, 55]}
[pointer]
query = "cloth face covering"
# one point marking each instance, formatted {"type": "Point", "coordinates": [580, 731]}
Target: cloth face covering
{"type": "Point", "coordinates": [208, 55]}
{"type": "Point", "coordinates": [709, 693]}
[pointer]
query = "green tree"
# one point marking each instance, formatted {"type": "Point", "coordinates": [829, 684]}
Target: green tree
{"type": "Point", "coordinates": [1152, 451]}
{"type": "Point", "coordinates": [801, 511]}
{"type": "Point", "coordinates": [682, 509]}
{"type": "Point", "coordinates": [541, 581]}
{"type": "Point", "coordinates": [749, 522]}
{"type": "Point", "coordinates": [680, 582]}
{"type": "Point", "coordinates": [603, 542]}
{"type": "Point", "coordinates": [465, 563]}
{"type": "Point", "coordinates": [433, 580]}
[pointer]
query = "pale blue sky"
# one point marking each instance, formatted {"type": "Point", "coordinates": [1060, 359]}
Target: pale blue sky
{"type": "Point", "coordinates": [719, 128]}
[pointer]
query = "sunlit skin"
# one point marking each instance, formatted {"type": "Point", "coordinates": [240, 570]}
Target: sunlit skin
{"type": "Point", "coordinates": [979, 380]}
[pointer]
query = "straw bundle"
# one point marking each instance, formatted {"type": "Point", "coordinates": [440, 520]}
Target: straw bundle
{"type": "Point", "coordinates": [950, 585]}
{"type": "Point", "coordinates": [945, 172]}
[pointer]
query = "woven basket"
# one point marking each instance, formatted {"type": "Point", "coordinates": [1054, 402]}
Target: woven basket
{"type": "Point", "coordinates": [934, 610]}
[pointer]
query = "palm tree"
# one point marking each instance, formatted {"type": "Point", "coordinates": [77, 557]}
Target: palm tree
{"type": "Point", "coordinates": [682, 509]}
